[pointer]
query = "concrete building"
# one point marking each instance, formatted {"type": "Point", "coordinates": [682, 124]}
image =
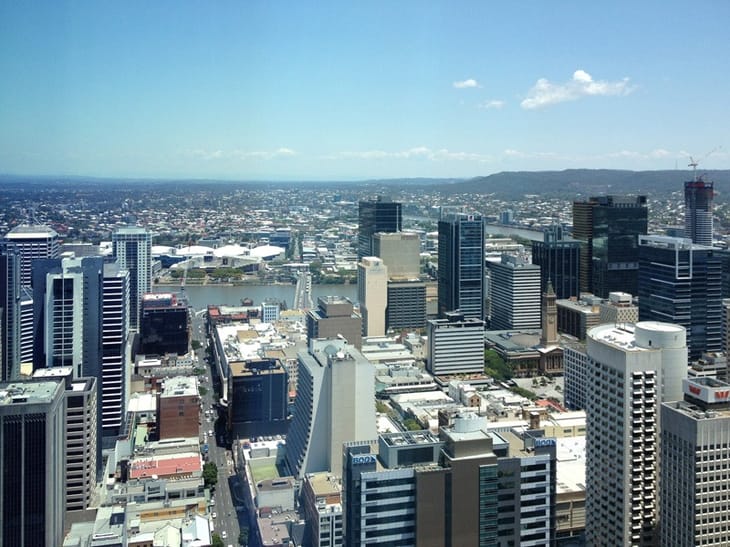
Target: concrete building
{"type": "Point", "coordinates": [632, 370]}
{"type": "Point", "coordinates": [178, 407]}
{"type": "Point", "coordinates": [334, 317]}
{"type": "Point", "coordinates": [698, 196]}
{"type": "Point", "coordinates": [379, 215]}
{"type": "Point", "coordinates": [406, 305]}
{"type": "Point", "coordinates": [455, 345]}
{"type": "Point", "coordinates": [334, 405]}
{"type": "Point", "coordinates": [577, 317]}
{"type": "Point", "coordinates": [695, 433]}
{"type": "Point", "coordinates": [400, 252]}
{"type": "Point", "coordinates": [619, 308]}
{"type": "Point", "coordinates": [372, 289]}
{"type": "Point", "coordinates": [514, 294]}
{"type": "Point", "coordinates": [164, 324]}
{"type": "Point", "coordinates": [257, 398]}
{"type": "Point", "coordinates": [681, 282]}
{"type": "Point", "coordinates": [461, 264]}
{"type": "Point", "coordinates": [32, 445]}
{"type": "Point", "coordinates": [32, 242]}
{"type": "Point", "coordinates": [321, 500]}
{"type": "Point", "coordinates": [26, 328]}
{"type": "Point", "coordinates": [575, 370]}
{"type": "Point", "coordinates": [132, 248]}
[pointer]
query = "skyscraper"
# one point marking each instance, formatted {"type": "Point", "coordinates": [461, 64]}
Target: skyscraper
{"type": "Point", "coordinates": [334, 316]}
{"type": "Point", "coordinates": [334, 404]}
{"type": "Point", "coordinates": [258, 398]}
{"type": "Point", "coordinates": [559, 261]}
{"type": "Point", "coordinates": [165, 324]}
{"type": "Point", "coordinates": [608, 227]}
{"type": "Point", "coordinates": [514, 289]}
{"type": "Point", "coordinates": [132, 247]}
{"type": "Point", "coordinates": [372, 289]}
{"type": "Point", "coordinates": [32, 447]}
{"type": "Point", "coordinates": [630, 372]}
{"type": "Point", "coordinates": [32, 242]}
{"type": "Point", "coordinates": [455, 345]}
{"type": "Point", "coordinates": [9, 315]}
{"type": "Point", "coordinates": [695, 459]}
{"type": "Point", "coordinates": [698, 196]}
{"type": "Point", "coordinates": [680, 282]}
{"type": "Point", "coordinates": [115, 333]}
{"type": "Point", "coordinates": [461, 264]}
{"type": "Point", "coordinates": [379, 215]}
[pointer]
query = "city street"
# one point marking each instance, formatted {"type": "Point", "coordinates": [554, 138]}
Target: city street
{"type": "Point", "coordinates": [225, 522]}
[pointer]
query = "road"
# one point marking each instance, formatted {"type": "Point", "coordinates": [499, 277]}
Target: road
{"type": "Point", "coordinates": [226, 519]}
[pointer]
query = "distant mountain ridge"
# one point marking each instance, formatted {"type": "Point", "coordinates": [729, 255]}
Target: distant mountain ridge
{"type": "Point", "coordinates": [586, 182]}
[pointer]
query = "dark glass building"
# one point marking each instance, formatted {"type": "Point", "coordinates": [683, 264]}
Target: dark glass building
{"type": "Point", "coordinates": [698, 196]}
{"type": "Point", "coordinates": [461, 265]}
{"type": "Point", "coordinates": [681, 283]}
{"type": "Point", "coordinates": [258, 398]}
{"type": "Point", "coordinates": [406, 305]}
{"type": "Point", "coordinates": [380, 215]}
{"type": "Point", "coordinates": [164, 324]}
{"type": "Point", "coordinates": [608, 227]}
{"type": "Point", "coordinates": [559, 261]}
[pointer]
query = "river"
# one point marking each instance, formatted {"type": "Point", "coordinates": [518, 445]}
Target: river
{"type": "Point", "coordinates": [199, 296]}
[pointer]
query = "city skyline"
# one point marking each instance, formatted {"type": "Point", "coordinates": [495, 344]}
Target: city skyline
{"type": "Point", "coordinates": [318, 91]}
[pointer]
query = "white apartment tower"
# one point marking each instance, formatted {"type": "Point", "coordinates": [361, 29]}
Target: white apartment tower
{"type": "Point", "coordinates": [631, 370]}
{"type": "Point", "coordinates": [372, 289]}
{"type": "Point", "coordinates": [334, 405]}
{"type": "Point", "coordinates": [455, 345]}
{"type": "Point", "coordinates": [515, 295]}
{"type": "Point", "coordinates": [132, 247]}
{"type": "Point", "coordinates": [32, 242]}
{"type": "Point", "coordinates": [695, 456]}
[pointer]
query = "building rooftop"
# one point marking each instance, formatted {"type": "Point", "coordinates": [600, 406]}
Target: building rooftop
{"type": "Point", "coordinates": [33, 392]}
{"type": "Point", "coordinates": [180, 386]}
{"type": "Point", "coordinates": [324, 484]}
{"type": "Point", "coordinates": [31, 231]}
{"type": "Point", "coordinates": [571, 464]}
{"type": "Point", "coordinates": [166, 465]}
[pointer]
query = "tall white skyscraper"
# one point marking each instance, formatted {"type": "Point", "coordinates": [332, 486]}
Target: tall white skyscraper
{"type": "Point", "coordinates": [631, 370]}
{"type": "Point", "coordinates": [514, 289]}
{"type": "Point", "coordinates": [132, 247]}
{"type": "Point", "coordinates": [695, 456]}
{"type": "Point", "coordinates": [372, 289]}
{"type": "Point", "coordinates": [334, 404]}
{"type": "Point", "coordinates": [115, 332]}
{"type": "Point", "coordinates": [32, 242]}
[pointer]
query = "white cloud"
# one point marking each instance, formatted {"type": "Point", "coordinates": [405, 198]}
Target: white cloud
{"type": "Point", "coordinates": [242, 154]}
{"type": "Point", "coordinates": [419, 152]}
{"type": "Point", "coordinates": [465, 84]}
{"type": "Point", "coordinates": [494, 104]}
{"type": "Point", "coordinates": [545, 93]}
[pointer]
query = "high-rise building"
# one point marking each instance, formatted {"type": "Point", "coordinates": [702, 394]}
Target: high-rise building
{"type": "Point", "coordinates": [321, 501]}
{"type": "Point", "coordinates": [67, 304]}
{"type": "Point", "coordinates": [372, 288]}
{"type": "Point", "coordinates": [379, 215]}
{"type": "Point", "coordinates": [698, 196]}
{"type": "Point", "coordinates": [695, 457]}
{"type": "Point", "coordinates": [32, 242]}
{"type": "Point", "coordinates": [9, 315]}
{"type": "Point", "coordinates": [334, 405]}
{"type": "Point", "coordinates": [455, 345]}
{"type": "Point", "coordinates": [115, 335]}
{"type": "Point", "coordinates": [680, 282]}
{"type": "Point", "coordinates": [575, 367]}
{"type": "Point", "coordinates": [608, 228]}
{"type": "Point", "coordinates": [32, 448]}
{"type": "Point", "coordinates": [461, 264]}
{"type": "Point", "coordinates": [257, 398]}
{"type": "Point", "coordinates": [631, 371]}
{"type": "Point", "coordinates": [406, 305]}
{"type": "Point", "coordinates": [164, 325]}
{"type": "Point", "coordinates": [334, 316]}
{"type": "Point", "coordinates": [559, 261]}
{"type": "Point", "coordinates": [401, 253]}
{"type": "Point", "coordinates": [26, 328]}
{"type": "Point", "coordinates": [514, 289]}
{"type": "Point", "coordinates": [132, 248]}
{"type": "Point", "coordinates": [619, 308]}
{"type": "Point", "coordinates": [82, 459]}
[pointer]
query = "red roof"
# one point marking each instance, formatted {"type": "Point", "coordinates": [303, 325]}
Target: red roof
{"type": "Point", "coordinates": [165, 466]}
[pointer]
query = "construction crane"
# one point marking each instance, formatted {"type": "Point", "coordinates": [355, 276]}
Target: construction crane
{"type": "Point", "coordinates": [693, 163]}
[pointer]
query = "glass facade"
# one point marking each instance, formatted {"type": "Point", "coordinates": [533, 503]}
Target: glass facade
{"type": "Point", "coordinates": [373, 217]}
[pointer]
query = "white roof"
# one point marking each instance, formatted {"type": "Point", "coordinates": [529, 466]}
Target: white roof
{"type": "Point", "coordinates": [267, 250]}
{"type": "Point", "coordinates": [231, 251]}
{"type": "Point", "coordinates": [194, 250]}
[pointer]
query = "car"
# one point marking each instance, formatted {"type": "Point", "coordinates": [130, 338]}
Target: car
{"type": "Point", "coordinates": [210, 433]}
{"type": "Point", "coordinates": [224, 534]}
{"type": "Point", "coordinates": [214, 514]}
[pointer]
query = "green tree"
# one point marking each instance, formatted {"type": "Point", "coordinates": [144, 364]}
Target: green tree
{"type": "Point", "coordinates": [203, 391]}
{"type": "Point", "coordinates": [210, 474]}
{"type": "Point", "coordinates": [411, 424]}
{"type": "Point", "coordinates": [217, 540]}
{"type": "Point", "coordinates": [196, 345]}
{"type": "Point", "coordinates": [495, 366]}
{"type": "Point", "coordinates": [243, 537]}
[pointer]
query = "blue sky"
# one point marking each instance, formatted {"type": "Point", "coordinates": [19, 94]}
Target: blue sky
{"type": "Point", "coordinates": [356, 90]}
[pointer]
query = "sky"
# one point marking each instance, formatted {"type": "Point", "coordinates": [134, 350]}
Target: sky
{"type": "Point", "coordinates": [318, 90]}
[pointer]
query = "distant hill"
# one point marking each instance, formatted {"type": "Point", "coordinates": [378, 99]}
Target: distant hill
{"type": "Point", "coordinates": [515, 184]}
